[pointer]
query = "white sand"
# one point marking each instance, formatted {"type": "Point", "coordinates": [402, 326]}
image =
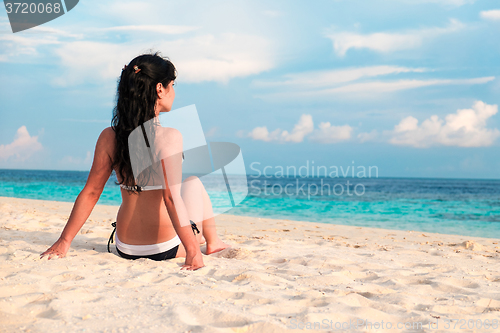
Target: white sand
{"type": "Point", "coordinates": [278, 273]}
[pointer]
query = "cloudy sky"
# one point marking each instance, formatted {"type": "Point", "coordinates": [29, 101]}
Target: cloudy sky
{"type": "Point", "coordinates": [409, 86]}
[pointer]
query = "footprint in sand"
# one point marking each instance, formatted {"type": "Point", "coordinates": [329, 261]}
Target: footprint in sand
{"type": "Point", "coordinates": [470, 245]}
{"type": "Point", "coordinates": [234, 253]}
{"type": "Point", "coordinates": [67, 277]}
{"type": "Point", "coordinates": [199, 316]}
{"type": "Point", "coordinates": [48, 314]}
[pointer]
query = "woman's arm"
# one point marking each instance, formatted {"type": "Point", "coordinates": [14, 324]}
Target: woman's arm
{"type": "Point", "coordinates": [171, 161]}
{"type": "Point", "coordinates": [88, 197]}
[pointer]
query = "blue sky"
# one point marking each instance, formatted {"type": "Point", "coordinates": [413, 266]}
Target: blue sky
{"type": "Point", "coordinates": [409, 86]}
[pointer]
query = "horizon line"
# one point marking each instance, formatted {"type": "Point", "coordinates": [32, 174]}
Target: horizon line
{"type": "Point", "coordinates": [297, 176]}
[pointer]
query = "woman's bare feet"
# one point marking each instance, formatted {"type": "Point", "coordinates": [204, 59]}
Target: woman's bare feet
{"type": "Point", "coordinates": [216, 246]}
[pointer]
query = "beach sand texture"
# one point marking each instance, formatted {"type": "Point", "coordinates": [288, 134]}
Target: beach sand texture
{"type": "Point", "coordinates": [277, 274]}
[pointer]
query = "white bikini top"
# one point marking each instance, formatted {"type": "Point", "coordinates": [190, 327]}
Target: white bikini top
{"type": "Point", "coordinates": [141, 188]}
{"type": "Point", "coordinates": [144, 188]}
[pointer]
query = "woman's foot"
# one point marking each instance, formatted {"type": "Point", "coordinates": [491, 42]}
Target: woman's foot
{"type": "Point", "coordinates": [216, 246]}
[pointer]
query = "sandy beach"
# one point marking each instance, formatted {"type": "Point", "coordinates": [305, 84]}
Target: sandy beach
{"type": "Point", "coordinates": [278, 276]}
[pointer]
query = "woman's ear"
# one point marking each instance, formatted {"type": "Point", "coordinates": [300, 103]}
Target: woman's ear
{"type": "Point", "coordinates": [160, 90]}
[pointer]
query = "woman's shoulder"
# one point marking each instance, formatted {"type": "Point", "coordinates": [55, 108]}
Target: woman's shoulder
{"type": "Point", "coordinates": [169, 140]}
{"type": "Point", "coordinates": [107, 136]}
{"type": "Point", "coordinates": [172, 133]}
{"type": "Point", "coordinates": [106, 140]}
{"type": "Point", "coordinates": [108, 133]}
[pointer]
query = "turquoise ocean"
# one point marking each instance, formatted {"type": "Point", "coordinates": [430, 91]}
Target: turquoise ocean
{"type": "Point", "coordinates": [469, 207]}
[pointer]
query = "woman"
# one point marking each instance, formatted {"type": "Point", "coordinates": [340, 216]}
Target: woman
{"type": "Point", "coordinates": [155, 223]}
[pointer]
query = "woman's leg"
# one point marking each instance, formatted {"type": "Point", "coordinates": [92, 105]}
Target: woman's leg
{"type": "Point", "coordinates": [192, 195]}
{"type": "Point", "coordinates": [214, 243]}
{"type": "Point", "coordinates": [200, 211]}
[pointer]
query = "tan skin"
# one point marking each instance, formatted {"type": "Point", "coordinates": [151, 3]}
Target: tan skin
{"type": "Point", "coordinates": [149, 217]}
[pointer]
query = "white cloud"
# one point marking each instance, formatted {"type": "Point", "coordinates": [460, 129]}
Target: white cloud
{"type": "Point", "coordinates": [326, 133]}
{"type": "Point", "coordinates": [262, 134]}
{"type": "Point", "coordinates": [372, 89]}
{"type": "Point", "coordinates": [220, 58]}
{"type": "Point", "coordinates": [201, 47]}
{"type": "Point", "coordinates": [381, 42]}
{"type": "Point", "coordinates": [85, 61]}
{"type": "Point", "coordinates": [205, 42]}
{"type": "Point", "coordinates": [331, 134]}
{"type": "Point", "coordinates": [13, 46]}
{"type": "Point", "coordinates": [456, 3]}
{"type": "Point", "coordinates": [43, 30]}
{"type": "Point", "coordinates": [314, 79]}
{"type": "Point", "coordinates": [88, 158]}
{"type": "Point", "coordinates": [31, 42]}
{"type": "Point", "coordinates": [491, 14]}
{"type": "Point", "coordinates": [388, 42]}
{"type": "Point", "coordinates": [71, 161]}
{"type": "Point", "coordinates": [90, 61]}
{"type": "Point", "coordinates": [230, 16]}
{"type": "Point", "coordinates": [368, 136]}
{"type": "Point", "coordinates": [23, 146]}
{"type": "Point", "coordinates": [385, 87]}
{"type": "Point", "coordinates": [465, 128]}
{"type": "Point", "coordinates": [241, 134]}
{"type": "Point", "coordinates": [300, 130]}
{"type": "Point", "coordinates": [158, 28]}
{"type": "Point", "coordinates": [197, 59]}
{"type": "Point", "coordinates": [351, 82]}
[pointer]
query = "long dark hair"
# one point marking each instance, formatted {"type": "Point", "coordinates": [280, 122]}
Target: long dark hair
{"type": "Point", "coordinates": [135, 104]}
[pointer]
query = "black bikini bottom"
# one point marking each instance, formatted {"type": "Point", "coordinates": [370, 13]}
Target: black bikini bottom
{"type": "Point", "coordinates": [159, 256]}
{"type": "Point", "coordinates": [170, 254]}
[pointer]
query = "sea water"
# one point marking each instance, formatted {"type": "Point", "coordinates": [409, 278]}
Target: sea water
{"type": "Point", "coordinates": [469, 207]}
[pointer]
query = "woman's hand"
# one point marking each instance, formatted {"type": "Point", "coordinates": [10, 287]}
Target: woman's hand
{"type": "Point", "coordinates": [194, 261]}
{"type": "Point", "coordinates": [59, 249]}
